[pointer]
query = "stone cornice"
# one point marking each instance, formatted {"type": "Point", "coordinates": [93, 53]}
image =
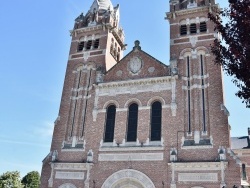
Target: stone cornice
{"type": "Point", "coordinates": [182, 12]}
{"type": "Point", "coordinates": [85, 29]}
{"type": "Point", "coordinates": [145, 81]}
{"type": "Point", "coordinates": [198, 166]}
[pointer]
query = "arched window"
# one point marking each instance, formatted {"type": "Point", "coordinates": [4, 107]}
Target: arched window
{"type": "Point", "coordinates": [156, 121]}
{"type": "Point", "coordinates": [132, 122]}
{"type": "Point", "coordinates": [110, 124]}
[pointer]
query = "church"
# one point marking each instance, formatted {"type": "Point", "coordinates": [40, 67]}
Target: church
{"type": "Point", "coordinates": [134, 121]}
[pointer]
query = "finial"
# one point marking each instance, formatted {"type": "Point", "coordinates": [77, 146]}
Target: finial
{"type": "Point", "coordinates": [137, 45]}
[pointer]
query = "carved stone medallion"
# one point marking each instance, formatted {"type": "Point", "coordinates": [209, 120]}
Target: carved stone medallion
{"type": "Point", "coordinates": [135, 64]}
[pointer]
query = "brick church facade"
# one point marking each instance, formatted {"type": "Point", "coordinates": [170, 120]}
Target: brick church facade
{"type": "Point", "coordinates": [135, 122]}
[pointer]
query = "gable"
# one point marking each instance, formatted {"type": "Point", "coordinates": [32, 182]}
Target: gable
{"type": "Point", "coordinates": [136, 65]}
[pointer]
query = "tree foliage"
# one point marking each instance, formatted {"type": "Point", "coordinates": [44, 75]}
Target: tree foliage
{"type": "Point", "coordinates": [233, 52]}
{"type": "Point", "coordinates": [10, 180]}
{"type": "Point", "coordinates": [31, 180]}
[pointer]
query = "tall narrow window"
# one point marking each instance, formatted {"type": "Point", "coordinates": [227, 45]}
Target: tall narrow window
{"type": "Point", "coordinates": [89, 44]}
{"type": "Point", "coordinates": [189, 95]}
{"type": "Point", "coordinates": [156, 121]}
{"type": "Point", "coordinates": [203, 27]}
{"type": "Point", "coordinates": [183, 29]}
{"type": "Point", "coordinates": [132, 123]}
{"type": "Point", "coordinates": [193, 28]}
{"type": "Point", "coordinates": [110, 124]}
{"type": "Point", "coordinates": [244, 174]}
{"type": "Point", "coordinates": [203, 94]}
{"type": "Point", "coordinates": [78, 82]}
{"type": "Point", "coordinates": [80, 46]}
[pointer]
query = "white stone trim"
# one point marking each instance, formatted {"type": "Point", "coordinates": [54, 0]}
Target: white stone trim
{"type": "Point", "coordinates": [67, 185]}
{"type": "Point", "coordinates": [69, 175]}
{"type": "Point", "coordinates": [197, 147]}
{"type": "Point", "coordinates": [73, 150]}
{"type": "Point", "coordinates": [111, 102]}
{"type": "Point", "coordinates": [195, 77]}
{"type": "Point", "coordinates": [126, 148]}
{"type": "Point", "coordinates": [198, 177]}
{"type": "Point", "coordinates": [71, 166]}
{"type": "Point", "coordinates": [195, 86]}
{"type": "Point", "coordinates": [156, 98]}
{"type": "Point", "coordinates": [133, 100]}
{"type": "Point", "coordinates": [122, 175]}
{"type": "Point", "coordinates": [135, 86]}
{"type": "Point", "coordinates": [131, 157]}
{"type": "Point", "coordinates": [199, 166]}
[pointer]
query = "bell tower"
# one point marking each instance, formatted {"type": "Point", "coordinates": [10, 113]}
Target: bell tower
{"type": "Point", "coordinates": [204, 117]}
{"type": "Point", "coordinates": [97, 44]}
{"type": "Point", "coordinates": [191, 34]}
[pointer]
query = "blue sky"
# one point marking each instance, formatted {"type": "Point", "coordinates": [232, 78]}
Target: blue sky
{"type": "Point", "coordinates": [34, 46]}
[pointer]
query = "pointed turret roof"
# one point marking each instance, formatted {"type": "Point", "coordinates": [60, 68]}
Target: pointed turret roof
{"type": "Point", "coordinates": [102, 5]}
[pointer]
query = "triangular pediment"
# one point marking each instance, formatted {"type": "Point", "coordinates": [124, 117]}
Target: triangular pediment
{"type": "Point", "coordinates": [137, 65]}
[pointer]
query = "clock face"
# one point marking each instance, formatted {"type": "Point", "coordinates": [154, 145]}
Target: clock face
{"type": "Point", "coordinates": [135, 64]}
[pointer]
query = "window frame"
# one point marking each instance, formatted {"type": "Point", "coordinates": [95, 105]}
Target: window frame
{"type": "Point", "coordinates": [157, 118]}
{"type": "Point", "coordinates": [110, 119]}
{"type": "Point", "coordinates": [132, 122]}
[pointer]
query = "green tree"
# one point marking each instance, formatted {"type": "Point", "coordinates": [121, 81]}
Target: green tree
{"type": "Point", "coordinates": [10, 180]}
{"type": "Point", "coordinates": [31, 180]}
{"type": "Point", "coordinates": [233, 52]}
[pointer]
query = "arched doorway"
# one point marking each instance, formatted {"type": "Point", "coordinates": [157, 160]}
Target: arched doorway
{"type": "Point", "coordinates": [128, 178]}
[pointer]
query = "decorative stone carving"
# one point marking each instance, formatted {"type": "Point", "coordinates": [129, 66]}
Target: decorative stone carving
{"type": "Point", "coordinates": [151, 69]}
{"type": "Point", "coordinates": [173, 155]}
{"type": "Point", "coordinates": [193, 40]}
{"type": "Point", "coordinates": [135, 64]}
{"type": "Point", "coordinates": [128, 174]}
{"type": "Point", "coordinates": [54, 155]}
{"type": "Point", "coordinates": [86, 55]}
{"type": "Point", "coordinates": [90, 156]}
{"type": "Point", "coordinates": [222, 153]}
{"type": "Point", "coordinates": [99, 77]}
{"type": "Point", "coordinates": [131, 157]}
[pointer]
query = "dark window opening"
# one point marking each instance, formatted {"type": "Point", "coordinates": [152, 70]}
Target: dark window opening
{"type": "Point", "coordinates": [89, 44]}
{"type": "Point", "coordinates": [244, 174]}
{"type": "Point", "coordinates": [183, 4]}
{"type": "Point", "coordinates": [96, 43]}
{"type": "Point", "coordinates": [193, 28]}
{"type": "Point", "coordinates": [203, 27]}
{"type": "Point", "coordinates": [183, 29]}
{"type": "Point", "coordinates": [156, 112]}
{"type": "Point", "coordinates": [80, 46]}
{"type": "Point", "coordinates": [132, 123]}
{"type": "Point", "coordinates": [189, 95]}
{"type": "Point", "coordinates": [110, 124]}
